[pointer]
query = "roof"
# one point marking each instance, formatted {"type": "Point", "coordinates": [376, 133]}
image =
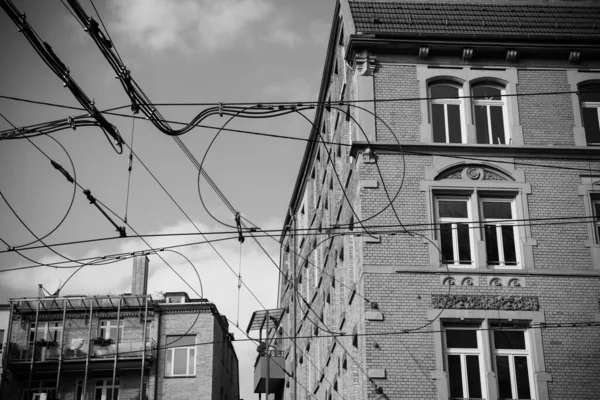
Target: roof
{"type": "Point", "coordinates": [469, 19]}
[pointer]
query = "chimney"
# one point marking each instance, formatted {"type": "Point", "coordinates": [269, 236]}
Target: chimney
{"type": "Point", "coordinates": [139, 281]}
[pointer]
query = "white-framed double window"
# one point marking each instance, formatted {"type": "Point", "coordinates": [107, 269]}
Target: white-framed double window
{"type": "Point", "coordinates": [468, 348]}
{"type": "Point", "coordinates": [105, 388]}
{"type": "Point", "coordinates": [180, 356]}
{"type": "Point", "coordinates": [464, 219]}
{"type": "Point", "coordinates": [489, 113]}
{"type": "Point", "coordinates": [445, 112]}
{"type": "Point", "coordinates": [49, 331]}
{"type": "Point", "coordinates": [589, 96]}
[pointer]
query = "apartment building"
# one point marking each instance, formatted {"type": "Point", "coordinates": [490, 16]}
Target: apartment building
{"type": "Point", "coordinates": [127, 346]}
{"type": "Point", "coordinates": [443, 238]}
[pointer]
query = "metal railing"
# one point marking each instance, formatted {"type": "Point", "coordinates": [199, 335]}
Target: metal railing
{"type": "Point", "coordinates": [79, 349]}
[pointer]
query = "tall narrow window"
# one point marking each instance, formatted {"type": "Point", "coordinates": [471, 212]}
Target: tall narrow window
{"type": "Point", "coordinates": [500, 231]}
{"type": "Point", "coordinates": [464, 362]}
{"type": "Point", "coordinates": [596, 215]}
{"type": "Point", "coordinates": [453, 217]}
{"type": "Point", "coordinates": [590, 110]}
{"type": "Point", "coordinates": [445, 113]}
{"type": "Point", "coordinates": [181, 360]}
{"type": "Point", "coordinates": [488, 106]}
{"type": "Point", "coordinates": [512, 364]}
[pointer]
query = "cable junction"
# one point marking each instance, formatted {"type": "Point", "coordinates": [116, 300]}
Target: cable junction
{"type": "Point", "coordinates": [92, 200]}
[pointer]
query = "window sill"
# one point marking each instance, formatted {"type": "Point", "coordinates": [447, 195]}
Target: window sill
{"type": "Point", "coordinates": [179, 376]}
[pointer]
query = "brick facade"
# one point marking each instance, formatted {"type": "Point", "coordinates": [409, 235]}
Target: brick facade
{"type": "Point", "coordinates": [369, 268]}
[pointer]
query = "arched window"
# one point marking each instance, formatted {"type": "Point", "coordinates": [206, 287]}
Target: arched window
{"type": "Point", "coordinates": [445, 113]}
{"type": "Point", "coordinates": [590, 112]}
{"type": "Point", "coordinates": [489, 114]}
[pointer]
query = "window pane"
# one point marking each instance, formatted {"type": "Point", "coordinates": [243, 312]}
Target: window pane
{"type": "Point", "coordinates": [481, 125]}
{"type": "Point", "coordinates": [180, 361]}
{"type": "Point", "coordinates": [455, 377]}
{"type": "Point", "coordinates": [169, 367]}
{"type": "Point", "coordinates": [505, 339]}
{"type": "Point", "coordinates": [522, 373]}
{"type": "Point", "coordinates": [192, 361]}
{"type": "Point", "coordinates": [590, 93]}
{"type": "Point", "coordinates": [453, 208]}
{"type": "Point", "coordinates": [487, 93]}
{"type": "Point", "coordinates": [597, 209]}
{"type": "Point", "coordinates": [496, 210]}
{"type": "Point", "coordinates": [590, 122]}
{"type": "Point", "coordinates": [503, 375]}
{"type": "Point", "coordinates": [446, 241]}
{"type": "Point", "coordinates": [444, 92]}
{"type": "Point", "coordinates": [461, 338]}
{"type": "Point", "coordinates": [473, 376]}
{"type": "Point", "coordinates": [98, 394]}
{"type": "Point", "coordinates": [491, 244]}
{"type": "Point", "coordinates": [181, 341]}
{"type": "Point", "coordinates": [438, 123]}
{"type": "Point", "coordinates": [464, 243]}
{"type": "Point", "coordinates": [454, 123]}
{"type": "Point", "coordinates": [508, 240]}
{"type": "Point", "coordinates": [497, 125]}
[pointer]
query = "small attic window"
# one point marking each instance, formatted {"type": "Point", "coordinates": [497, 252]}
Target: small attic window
{"type": "Point", "coordinates": [341, 41]}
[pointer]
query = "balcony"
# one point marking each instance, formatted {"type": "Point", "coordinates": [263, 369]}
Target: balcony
{"type": "Point", "coordinates": [276, 374]}
{"type": "Point", "coordinates": [76, 351]}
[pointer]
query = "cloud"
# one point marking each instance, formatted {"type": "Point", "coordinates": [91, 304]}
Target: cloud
{"type": "Point", "coordinates": [289, 89]}
{"type": "Point", "coordinates": [185, 25]}
{"type": "Point", "coordinates": [319, 32]}
{"type": "Point", "coordinates": [280, 33]}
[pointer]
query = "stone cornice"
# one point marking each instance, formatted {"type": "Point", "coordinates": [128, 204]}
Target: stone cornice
{"type": "Point", "coordinates": [490, 151]}
{"type": "Point", "coordinates": [391, 269]}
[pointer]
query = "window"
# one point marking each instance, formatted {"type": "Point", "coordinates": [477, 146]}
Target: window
{"type": "Point", "coordinates": [596, 217]}
{"type": "Point", "coordinates": [458, 229]}
{"type": "Point", "coordinates": [109, 329]}
{"type": "Point", "coordinates": [1, 340]}
{"type": "Point", "coordinates": [454, 230]}
{"type": "Point", "coordinates": [445, 113]}
{"type": "Point", "coordinates": [181, 360]}
{"type": "Point", "coordinates": [50, 332]}
{"type": "Point", "coordinates": [590, 110]}
{"type": "Point", "coordinates": [105, 389]}
{"type": "Point", "coordinates": [468, 346]}
{"type": "Point", "coordinates": [464, 361]}
{"type": "Point", "coordinates": [488, 114]}
{"type": "Point", "coordinates": [499, 227]}
{"type": "Point", "coordinates": [511, 363]}
{"type": "Point", "coordinates": [40, 390]}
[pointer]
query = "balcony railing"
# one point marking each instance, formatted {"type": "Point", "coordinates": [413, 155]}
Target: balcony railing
{"type": "Point", "coordinates": [79, 349]}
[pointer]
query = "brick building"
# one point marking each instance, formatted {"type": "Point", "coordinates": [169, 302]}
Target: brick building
{"type": "Point", "coordinates": [125, 346]}
{"type": "Point", "coordinates": [444, 240]}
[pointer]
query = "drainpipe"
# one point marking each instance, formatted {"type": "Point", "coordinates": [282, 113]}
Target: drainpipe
{"type": "Point", "coordinates": [37, 317]}
{"type": "Point", "coordinates": [62, 346]}
{"type": "Point", "coordinates": [114, 376]}
{"type": "Point", "coordinates": [87, 359]}
{"type": "Point", "coordinates": [144, 353]}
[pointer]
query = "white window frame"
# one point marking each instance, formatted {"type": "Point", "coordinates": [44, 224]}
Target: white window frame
{"type": "Point", "coordinates": [463, 353]}
{"type": "Point", "coordinates": [106, 386]}
{"type": "Point", "coordinates": [591, 105]}
{"type": "Point", "coordinates": [499, 223]}
{"type": "Point", "coordinates": [487, 320]}
{"type": "Point", "coordinates": [455, 222]}
{"type": "Point", "coordinates": [104, 330]}
{"type": "Point", "coordinates": [595, 202]}
{"type": "Point", "coordinates": [190, 355]}
{"type": "Point", "coordinates": [446, 102]}
{"type": "Point", "coordinates": [488, 103]}
{"type": "Point", "coordinates": [466, 77]}
{"type": "Point", "coordinates": [511, 353]}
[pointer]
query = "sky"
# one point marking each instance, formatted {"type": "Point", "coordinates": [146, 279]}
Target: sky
{"type": "Point", "coordinates": [200, 51]}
